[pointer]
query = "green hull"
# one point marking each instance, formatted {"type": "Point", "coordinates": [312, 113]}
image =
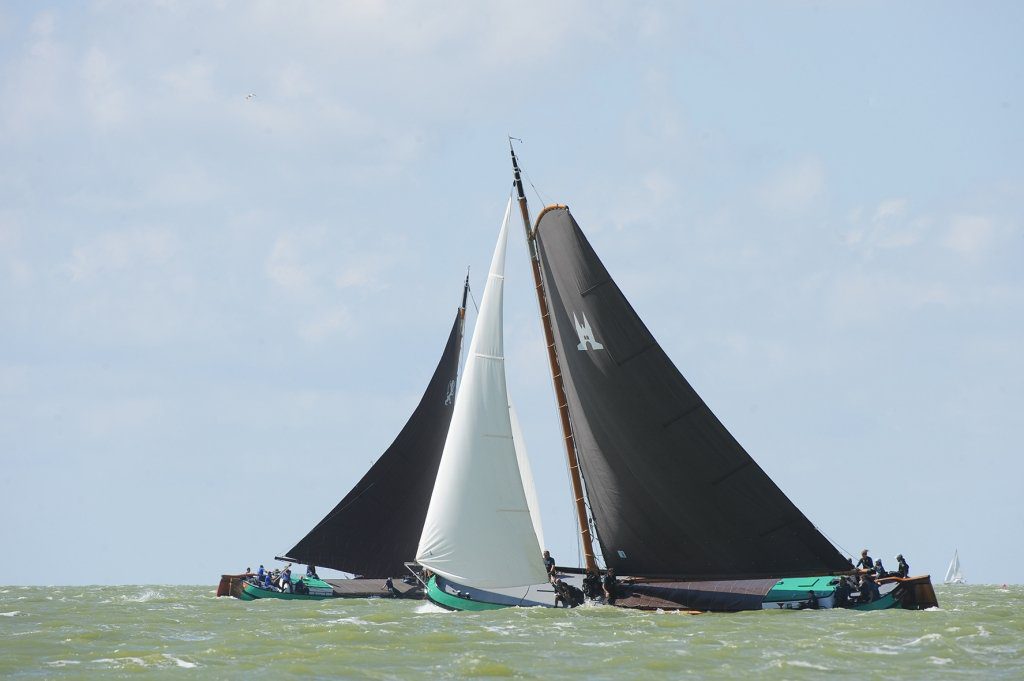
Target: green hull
{"type": "Point", "coordinates": [795, 590]}
{"type": "Point", "coordinates": [251, 592]}
{"type": "Point", "coordinates": [884, 603]}
{"type": "Point", "coordinates": [453, 602]}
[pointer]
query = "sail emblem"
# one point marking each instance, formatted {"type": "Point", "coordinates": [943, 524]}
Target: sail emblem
{"type": "Point", "coordinates": [586, 334]}
{"type": "Point", "coordinates": [451, 392]}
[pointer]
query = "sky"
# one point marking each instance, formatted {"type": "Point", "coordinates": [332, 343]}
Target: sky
{"type": "Point", "coordinates": [217, 310]}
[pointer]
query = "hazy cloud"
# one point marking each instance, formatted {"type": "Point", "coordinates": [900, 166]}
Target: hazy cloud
{"type": "Point", "coordinates": [794, 187]}
{"type": "Point", "coordinates": [969, 236]}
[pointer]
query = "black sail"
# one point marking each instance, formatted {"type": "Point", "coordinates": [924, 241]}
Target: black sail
{"type": "Point", "coordinates": [672, 493]}
{"type": "Point", "coordinates": [376, 527]}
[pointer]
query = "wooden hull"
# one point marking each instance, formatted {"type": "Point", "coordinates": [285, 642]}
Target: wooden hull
{"type": "Point", "coordinates": [240, 587]}
{"type": "Point", "coordinates": [911, 593]}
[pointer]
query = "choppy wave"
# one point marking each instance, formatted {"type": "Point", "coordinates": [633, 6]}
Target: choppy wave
{"type": "Point", "coordinates": [83, 632]}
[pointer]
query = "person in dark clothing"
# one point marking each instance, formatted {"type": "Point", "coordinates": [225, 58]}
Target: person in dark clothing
{"type": "Point", "coordinates": [880, 569]}
{"type": "Point", "coordinates": [865, 561]}
{"type": "Point", "coordinates": [812, 601]}
{"type": "Point", "coordinates": [868, 589]}
{"type": "Point", "coordinates": [842, 593]}
{"type": "Point", "coordinates": [592, 585]}
{"type": "Point", "coordinates": [902, 568]}
{"type": "Point", "coordinates": [389, 586]}
{"type": "Point", "coordinates": [311, 572]}
{"type": "Point", "coordinates": [549, 565]}
{"type": "Point", "coordinates": [568, 595]}
{"type": "Point", "coordinates": [610, 585]}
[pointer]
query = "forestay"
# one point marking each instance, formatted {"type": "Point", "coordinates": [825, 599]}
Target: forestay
{"type": "Point", "coordinates": [478, 530]}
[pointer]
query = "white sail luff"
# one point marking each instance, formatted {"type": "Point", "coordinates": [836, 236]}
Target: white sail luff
{"type": "Point", "coordinates": [526, 472]}
{"type": "Point", "coordinates": [478, 529]}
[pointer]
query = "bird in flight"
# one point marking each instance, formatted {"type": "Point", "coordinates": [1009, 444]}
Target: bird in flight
{"type": "Point", "coordinates": [251, 95]}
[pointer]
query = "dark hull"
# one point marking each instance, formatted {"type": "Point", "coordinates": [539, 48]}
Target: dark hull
{"type": "Point", "coordinates": [911, 593]}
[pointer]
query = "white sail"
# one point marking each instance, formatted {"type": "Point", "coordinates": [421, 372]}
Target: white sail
{"type": "Point", "coordinates": [953, 574]}
{"type": "Point", "coordinates": [478, 530]}
{"type": "Point", "coordinates": [526, 473]}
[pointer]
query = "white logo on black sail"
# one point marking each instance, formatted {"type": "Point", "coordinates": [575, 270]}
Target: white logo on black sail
{"type": "Point", "coordinates": [586, 334]}
{"type": "Point", "coordinates": [451, 392]}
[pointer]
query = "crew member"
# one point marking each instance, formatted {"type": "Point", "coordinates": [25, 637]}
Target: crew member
{"type": "Point", "coordinates": [609, 584]}
{"type": "Point", "coordinates": [812, 601]}
{"type": "Point", "coordinates": [865, 561]}
{"type": "Point", "coordinates": [389, 586]}
{"type": "Point", "coordinates": [879, 569]}
{"type": "Point", "coordinates": [842, 593]}
{"type": "Point", "coordinates": [592, 584]}
{"type": "Point", "coordinates": [902, 568]}
{"type": "Point", "coordinates": [311, 572]}
{"type": "Point", "coordinates": [568, 595]}
{"type": "Point", "coordinates": [868, 589]}
{"type": "Point", "coordinates": [286, 580]}
{"type": "Point", "coordinates": [549, 565]}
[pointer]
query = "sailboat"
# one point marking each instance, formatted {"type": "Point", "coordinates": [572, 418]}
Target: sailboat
{"type": "Point", "coordinates": [678, 506]}
{"type": "Point", "coordinates": [373, 530]}
{"type": "Point", "coordinates": [480, 548]}
{"type": "Point", "coordinates": [953, 573]}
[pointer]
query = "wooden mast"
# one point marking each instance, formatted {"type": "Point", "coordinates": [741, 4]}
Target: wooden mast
{"type": "Point", "coordinates": [556, 372]}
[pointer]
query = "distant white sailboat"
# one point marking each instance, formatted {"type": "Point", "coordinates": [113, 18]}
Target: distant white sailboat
{"type": "Point", "coordinates": [953, 574]}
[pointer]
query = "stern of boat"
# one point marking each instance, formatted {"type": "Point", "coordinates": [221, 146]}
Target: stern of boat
{"type": "Point", "coordinates": [231, 585]}
{"type": "Point", "coordinates": [913, 593]}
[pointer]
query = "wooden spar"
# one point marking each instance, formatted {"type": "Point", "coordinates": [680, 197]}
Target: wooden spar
{"type": "Point", "coordinates": [556, 373]}
{"type": "Point", "coordinates": [465, 292]}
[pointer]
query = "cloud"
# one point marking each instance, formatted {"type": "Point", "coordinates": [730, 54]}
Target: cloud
{"type": "Point", "coordinates": [325, 324]}
{"type": "Point", "coordinates": [103, 94]}
{"type": "Point", "coordinates": [866, 297]}
{"type": "Point", "coordinates": [127, 250]}
{"type": "Point", "coordinates": [969, 236]}
{"type": "Point", "coordinates": [286, 269]}
{"type": "Point", "coordinates": [32, 91]}
{"type": "Point", "coordinates": [890, 226]}
{"type": "Point", "coordinates": [793, 188]}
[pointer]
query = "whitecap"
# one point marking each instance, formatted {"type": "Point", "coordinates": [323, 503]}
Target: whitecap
{"type": "Point", "coordinates": [430, 609]}
{"type": "Point", "coordinates": [62, 663]}
{"type": "Point", "coordinates": [927, 637]}
{"type": "Point", "coordinates": [181, 663]}
{"type": "Point", "coordinates": [12, 613]}
{"type": "Point", "coordinates": [121, 661]}
{"type": "Point", "coordinates": [940, 660]}
{"type": "Point", "coordinates": [807, 665]}
{"type": "Point", "coordinates": [144, 597]}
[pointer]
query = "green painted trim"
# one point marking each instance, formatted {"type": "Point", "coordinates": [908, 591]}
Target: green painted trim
{"type": "Point", "coordinates": [884, 603]}
{"type": "Point", "coordinates": [255, 593]}
{"type": "Point", "coordinates": [447, 600]}
{"type": "Point", "coordinates": [796, 588]}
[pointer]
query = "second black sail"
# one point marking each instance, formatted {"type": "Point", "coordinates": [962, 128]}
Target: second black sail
{"type": "Point", "coordinates": [376, 527]}
{"type": "Point", "coordinates": [672, 493]}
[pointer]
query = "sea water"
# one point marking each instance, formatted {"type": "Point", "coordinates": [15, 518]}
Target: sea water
{"type": "Point", "coordinates": [187, 633]}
